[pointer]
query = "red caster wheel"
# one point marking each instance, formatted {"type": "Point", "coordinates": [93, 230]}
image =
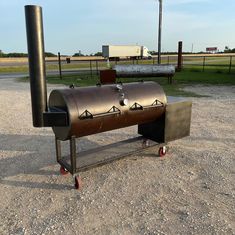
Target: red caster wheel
{"type": "Point", "coordinates": [78, 182]}
{"type": "Point", "coordinates": [162, 151]}
{"type": "Point", "coordinates": [63, 171]}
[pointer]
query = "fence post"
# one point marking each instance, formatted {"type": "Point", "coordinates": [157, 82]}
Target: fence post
{"type": "Point", "coordinates": [97, 69]}
{"type": "Point", "coordinates": [230, 64]}
{"type": "Point", "coordinates": [90, 68]}
{"type": "Point", "coordinates": [180, 48]}
{"type": "Point", "coordinates": [59, 61]}
{"type": "Point", "coordinates": [204, 62]}
{"type": "Point", "coordinates": [168, 59]}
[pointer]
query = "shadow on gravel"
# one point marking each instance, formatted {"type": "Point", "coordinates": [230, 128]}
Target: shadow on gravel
{"type": "Point", "coordinates": [27, 154]}
{"type": "Point", "coordinates": [212, 139]}
{"type": "Point", "coordinates": [36, 185]}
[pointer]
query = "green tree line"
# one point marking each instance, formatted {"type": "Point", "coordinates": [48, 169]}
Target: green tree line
{"type": "Point", "coordinates": [228, 50]}
{"type": "Point", "coordinates": [16, 54]}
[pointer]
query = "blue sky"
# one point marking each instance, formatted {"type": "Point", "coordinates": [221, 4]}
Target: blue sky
{"type": "Point", "coordinates": [73, 25]}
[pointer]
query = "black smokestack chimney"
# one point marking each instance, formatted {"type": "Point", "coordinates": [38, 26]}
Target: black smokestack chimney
{"type": "Point", "coordinates": [37, 70]}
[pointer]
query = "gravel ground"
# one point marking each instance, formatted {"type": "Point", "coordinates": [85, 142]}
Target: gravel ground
{"type": "Point", "coordinates": [190, 191]}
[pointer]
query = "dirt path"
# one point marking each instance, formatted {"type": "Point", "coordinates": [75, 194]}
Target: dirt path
{"type": "Point", "coordinates": [191, 191]}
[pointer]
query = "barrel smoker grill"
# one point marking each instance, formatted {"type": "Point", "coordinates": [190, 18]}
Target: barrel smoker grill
{"type": "Point", "coordinates": [147, 70]}
{"type": "Point", "coordinates": [77, 112]}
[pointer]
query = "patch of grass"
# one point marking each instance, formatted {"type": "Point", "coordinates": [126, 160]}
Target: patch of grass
{"type": "Point", "coordinates": [187, 77]}
{"type": "Point", "coordinates": [181, 79]}
{"type": "Point", "coordinates": [14, 69]}
{"type": "Point", "coordinates": [77, 80]}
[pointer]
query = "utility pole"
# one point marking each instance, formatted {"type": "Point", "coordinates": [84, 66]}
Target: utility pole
{"type": "Point", "coordinates": [160, 32]}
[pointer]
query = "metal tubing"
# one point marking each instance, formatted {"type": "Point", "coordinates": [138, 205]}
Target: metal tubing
{"type": "Point", "coordinates": [37, 70]}
{"type": "Point", "coordinates": [139, 70]}
{"type": "Point", "coordinates": [58, 149]}
{"type": "Point", "coordinates": [73, 155]}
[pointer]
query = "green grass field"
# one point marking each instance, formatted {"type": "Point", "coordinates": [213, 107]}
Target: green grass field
{"type": "Point", "coordinates": [181, 79]}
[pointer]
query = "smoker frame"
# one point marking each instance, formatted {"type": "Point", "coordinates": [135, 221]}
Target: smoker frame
{"type": "Point", "coordinates": [177, 112]}
{"type": "Point", "coordinates": [72, 167]}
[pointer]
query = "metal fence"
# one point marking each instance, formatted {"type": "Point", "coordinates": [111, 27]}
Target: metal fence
{"type": "Point", "coordinates": [219, 64]}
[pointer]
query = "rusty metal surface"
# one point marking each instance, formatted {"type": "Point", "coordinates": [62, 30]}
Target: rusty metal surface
{"type": "Point", "coordinates": [107, 76]}
{"type": "Point", "coordinates": [97, 109]}
{"type": "Point", "coordinates": [144, 70]}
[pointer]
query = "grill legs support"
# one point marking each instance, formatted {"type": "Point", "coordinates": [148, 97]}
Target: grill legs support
{"type": "Point", "coordinates": [73, 155]}
{"type": "Point", "coordinates": [72, 167]}
{"type": "Point", "coordinates": [69, 163]}
{"type": "Point", "coordinates": [58, 150]}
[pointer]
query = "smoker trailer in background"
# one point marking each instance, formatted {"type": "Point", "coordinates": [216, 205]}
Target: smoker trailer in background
{"type": "Point", "coordinates": [77, 112]}
{"type": "Point", "coordinates": [145, 70]}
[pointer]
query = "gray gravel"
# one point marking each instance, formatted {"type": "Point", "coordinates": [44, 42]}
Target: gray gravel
{"type": "Point", "coordinates": [191, 191]}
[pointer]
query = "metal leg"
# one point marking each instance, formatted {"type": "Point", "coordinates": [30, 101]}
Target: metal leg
{"type": "Point", "coordinates": [169, 79]}
{"type": "Point", "coordinates": [65, 168]}
{"type": "Point", "coordinates": [58, 149]}
{"type": "Point", "coordinates": [73, 155]}
{"type": "Point", "coordinates": [77, 178]}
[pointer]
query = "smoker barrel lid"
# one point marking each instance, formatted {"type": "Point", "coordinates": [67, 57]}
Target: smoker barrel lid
{"type": "Point", "coordinates": [107, 107]}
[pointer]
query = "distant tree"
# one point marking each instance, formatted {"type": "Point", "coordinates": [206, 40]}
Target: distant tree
{"type": "Point", "coordinates": [98, 54]}
{"type": "Point", "coordinates": [227, 49]}
{"type": "Point", "coordinates": [153, 53]}
{"type": "Point", "coordinates": [16, 54]}
{"type": "Point", "coordinates": [233, 50]}
{"type": "Point", "coordinates": [49, 54]}
{"type": "Point", "coordinates": [78, 54]}
{"type": "Point", "coordinates": [1, 53]}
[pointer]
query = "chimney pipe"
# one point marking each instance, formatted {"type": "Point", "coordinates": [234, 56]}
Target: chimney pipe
{"type": "Point", "coordinates": [37, 70]}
